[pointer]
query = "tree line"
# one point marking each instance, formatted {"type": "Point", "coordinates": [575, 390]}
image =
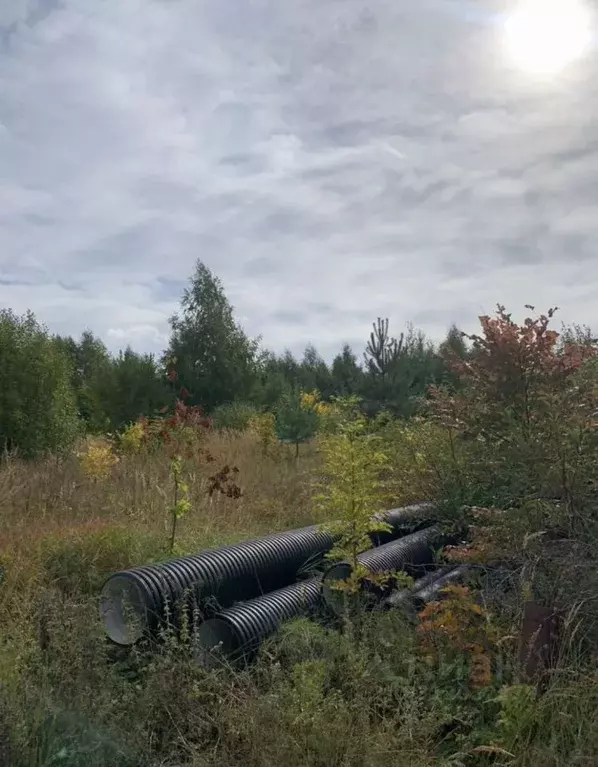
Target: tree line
{"type": "Point", "coordinates": [53, 388]}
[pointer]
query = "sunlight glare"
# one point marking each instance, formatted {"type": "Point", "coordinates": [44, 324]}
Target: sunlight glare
{"type": "Point", "coordinates": [543, 36]}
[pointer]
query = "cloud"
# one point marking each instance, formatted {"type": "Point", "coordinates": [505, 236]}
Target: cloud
{"type": "Point", "coordinates": [315, 154]}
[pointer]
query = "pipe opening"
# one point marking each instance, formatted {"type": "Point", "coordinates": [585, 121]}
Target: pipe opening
{"type": "Point", "coordinates": [123, 610]}
{"type": "Point", "coordinates": [217, 642]}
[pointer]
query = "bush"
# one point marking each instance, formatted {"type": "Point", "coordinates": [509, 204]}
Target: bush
{"type": "Point", "coordinates": [38, 413]}
{"type": "Point", "coordinates": [233, 416]}
{"type": "Point", "coordinates": [263, 427]}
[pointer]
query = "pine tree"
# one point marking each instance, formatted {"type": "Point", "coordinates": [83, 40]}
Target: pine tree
{"type": "Point", "coordinates": [399, 371]}
{"type": "Point", "coordinates": [347, 376]}
{"type": "Point", "coordinates": [382, 351]}
{"type": "Point", "coordinates": [294, 422]}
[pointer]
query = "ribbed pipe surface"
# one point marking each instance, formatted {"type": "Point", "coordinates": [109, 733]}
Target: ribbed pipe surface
{"type": "Point", "coordinates": [433, 590]}
{"type": "Point", "coordinates": [411, 553]}
{"type": "Point", "coordinates": [403, 520]}
{"type": "Point", "coordinates": [404, 597]}
{"type": "Point", "coordinates": [237, 632]}
{"type": "Point", "coordinates": [426, 589]}
{"type": "Point", "coordinates": [140, 600]}
{"type": "Point", "coordinates": [135, 601]}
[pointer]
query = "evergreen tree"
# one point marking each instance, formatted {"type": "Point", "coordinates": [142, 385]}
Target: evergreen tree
{"type": "Point", "coordinates": [38, 412]}
{"type": "Point", "coordinates": [294, 423]}
{"type": "Point", "coordinates": [347, 375]}
{"type": "Point", "coordinates": [382, 351]}
{"type": "Point", "coordinates": [270, 382]}
{"type": "Point", "coordinates": [399, 371]}
{"type": "Point", "coordinates": [213, 357]}
{"type": "Point", "coordinates": [290, 368]}
{"type": "Point", "coordinates": [314, 373]}
{"type": "Point", "coordinates": [451, 349]}
{"type": "Point", "coordinates": [454, 344]}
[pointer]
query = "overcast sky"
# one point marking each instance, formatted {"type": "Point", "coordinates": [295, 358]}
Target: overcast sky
{"type": "Point", "coordinates": [330, 160]}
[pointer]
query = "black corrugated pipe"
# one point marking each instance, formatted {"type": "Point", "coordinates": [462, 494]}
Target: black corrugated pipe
{"type": "Point", "coordinates": [403, 520]}
{"type": "Point", "coordinates": [432, 590]}
{"type": "Point", "coordinates": [134, 602]}
{"type": "Point", "coordinates": [413, 554]}
{"type": "Point", "coordinates": [236, 634]}
{"type": "Point", "coordinates": [427, 588]}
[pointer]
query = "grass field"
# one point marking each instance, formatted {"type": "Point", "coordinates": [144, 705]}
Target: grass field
{"type": "Point", "coordinates": [315, 696]}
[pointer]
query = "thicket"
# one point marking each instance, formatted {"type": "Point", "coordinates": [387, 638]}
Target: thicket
{"type": "Point", "coordinates": [231, 376]}
{"type": "Point", "coordinates": [37, 405]}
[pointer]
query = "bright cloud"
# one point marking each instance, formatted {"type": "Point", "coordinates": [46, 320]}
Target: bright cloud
{"type": "Point", "coordinates": [330, 164]}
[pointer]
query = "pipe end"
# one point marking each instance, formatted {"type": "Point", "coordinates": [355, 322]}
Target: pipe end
{"type": "Point", "coordinates": [123, 610]}
{"type": "Point", "coordinates": [217, 642]}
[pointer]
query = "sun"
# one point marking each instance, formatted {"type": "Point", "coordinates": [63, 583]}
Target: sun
{"type": "Point", "coordinates": [544, 36]}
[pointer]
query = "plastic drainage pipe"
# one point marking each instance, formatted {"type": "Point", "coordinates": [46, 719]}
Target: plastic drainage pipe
{"type": "Point", "coordinates": [427, 588]}
{"type": "Point", "coordinates": [413, 554]}
{"type": "Point", "coordinates": [139, 601]}
{"type": "Point", "coordinates": [136, 602]}
{"type": "Point", "coordinates": [432, 590]}
{"type": "Point", "coordinates": [235, 634]}
{"type": "Point", "coordinates": [403, 520]}
{"type": "Point", "coordinates": [403, 597]}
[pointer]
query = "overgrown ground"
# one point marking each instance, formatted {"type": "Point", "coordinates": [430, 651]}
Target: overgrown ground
{"type": "Point", "coordinates": [513, 453]}
{"type": "Point", "coordinates": [314, 698]}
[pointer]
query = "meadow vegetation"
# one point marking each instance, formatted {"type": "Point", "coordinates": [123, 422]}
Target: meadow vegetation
{"type": "Point", "coordinates": [500, 433]}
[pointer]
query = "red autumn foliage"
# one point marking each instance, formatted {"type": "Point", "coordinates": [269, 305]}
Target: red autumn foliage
{"type": "Point", "coordinates": [179, 431]}
{"type": "Point", "coordinates": [523, 418]}
{"type": "Point", "coordinates": [223, 482]}
{"type": "Point", "coordinates": [509, 372]}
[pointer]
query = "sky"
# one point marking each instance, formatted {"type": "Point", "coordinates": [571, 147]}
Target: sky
{"type": "Point", "coordinates": [330, 160]}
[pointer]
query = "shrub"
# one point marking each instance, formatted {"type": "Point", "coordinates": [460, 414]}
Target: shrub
{"type": "Point", "coordinates": [263, 426]}
{"type": "Point", "coordinates": [233, 416]}
{"type": "Point", "coordinates": [98, 458]}
{"type": "Point", "coordinates": [132, 439]}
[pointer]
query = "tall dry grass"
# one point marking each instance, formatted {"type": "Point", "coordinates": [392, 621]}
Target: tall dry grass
{"type": "Point", "coordinates": [62, 532]}
{"type": "Point", "coordinates": [314, 699]}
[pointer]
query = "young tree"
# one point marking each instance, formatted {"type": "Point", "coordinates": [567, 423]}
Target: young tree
{"type": "Point", "coordinates": [38, 413]}
{"type": "Point", "coordinates": [526, 407]}
{"type": "Point", "coordinates": [294, 422]}
{"type": "Point", "coordinates": [382, 351]}
{"type": "Point", "coordinates": [215, 360]}
{"type": "Point", "coordinates": [351, 489]}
